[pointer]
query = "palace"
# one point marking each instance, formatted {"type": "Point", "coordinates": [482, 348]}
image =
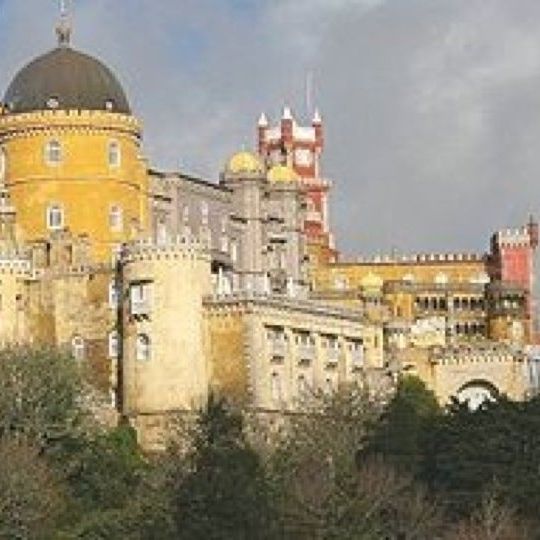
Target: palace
{"type": "Point", "coordinates": [168, 286]}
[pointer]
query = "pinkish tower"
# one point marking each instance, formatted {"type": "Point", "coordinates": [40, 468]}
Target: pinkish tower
{"type": "Point", "coordinates": [300, 147]}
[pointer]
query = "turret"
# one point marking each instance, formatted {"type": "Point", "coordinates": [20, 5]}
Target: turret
{"type": "Point", "coordinates": [262, 127]}
{"type": "Point", "coordinates": [532, 227]}
{"type": "Point", "coordinates": [163, 366]}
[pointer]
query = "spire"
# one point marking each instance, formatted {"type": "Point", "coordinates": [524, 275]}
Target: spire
{"type": "Point", "coordinates": [263, 121]}
{"type": "Point", "coordinates": [287, 114]}
{"type": "Point", "coordinates": [63, 28]}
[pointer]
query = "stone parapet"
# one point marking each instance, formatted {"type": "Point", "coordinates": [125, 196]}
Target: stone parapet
{"type": "Point", "coordinates": [181, 247]}
{"type": "Point", "coordinates": [244, 299]}
{"type": "Point", "coordinates": [27, 123]}
{"type": "Point", "coordinates": [480, 353]}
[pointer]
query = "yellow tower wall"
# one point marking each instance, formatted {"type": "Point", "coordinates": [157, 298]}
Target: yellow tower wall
{"type": "Point", "coordinates": [83, 183]}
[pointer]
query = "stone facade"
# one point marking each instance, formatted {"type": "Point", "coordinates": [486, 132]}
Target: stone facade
{"type": "Point", "coordinates": [169, 286]}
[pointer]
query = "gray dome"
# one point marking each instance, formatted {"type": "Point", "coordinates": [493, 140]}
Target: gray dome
{"type": "Point", "coordinates": [66, 79]}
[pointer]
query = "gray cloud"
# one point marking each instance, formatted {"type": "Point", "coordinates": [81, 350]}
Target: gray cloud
{"type": "Point", "coordinates": [432, 108]}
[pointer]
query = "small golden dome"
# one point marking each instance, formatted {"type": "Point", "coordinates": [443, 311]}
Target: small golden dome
{"type": "Point", "coordinates": [282, 173]}
{"type": "Point", "coordinates": [245, 162]}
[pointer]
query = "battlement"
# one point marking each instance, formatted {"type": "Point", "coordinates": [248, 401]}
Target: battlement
{"type": "Point", "coordinates": [18, 266]}
{"type": "Point", "coordinates": [513, 237]}
{"type": "Point", "coordinates": [289, 130]}
{"type": "Point", "coordinates": [422, 258]}
{"type": "Point", "coordinates": [12, 123]}
{"type": "Point", "coordinates": [180, 247]}
{"type": "Point", "coordinates": [299, 133]}
{"type": "Point", "coordinates": [487, 353]}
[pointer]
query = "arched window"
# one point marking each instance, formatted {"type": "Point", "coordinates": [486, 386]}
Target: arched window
{"type": "Point", "coordinates": [162, 234]}
{"type": "Point", "coordinates": [204, 213]}
{"type": "Point", "coordinates": [143, 351]}
{"type": "Point", "coordinates": [302, 385]}
{"type": "Point", "coordinates": [329, 386]}
{"type": "Point", "coordinates": [275, 387]}
{"type": "Point", "coordinates": [55, 217]}
{"type": "Point", "coordinates": [53, 152]}
{"type": "Point", "coordinates": [78, 348]}
{"type": "Point", "coordinates": [185, 214]}
{"type": "Point", "coordinates": [116, 220]}
{"type": "Point", "coordinates": [113, 154]}
{"type": "Point", "coordinates": [114, 342]}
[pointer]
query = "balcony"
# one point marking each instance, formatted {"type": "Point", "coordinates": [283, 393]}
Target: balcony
{"type": "Point", "coordinates": [306, 354]}
{"type": "Point", "coordinates": [357, 359]}
{"type": "Point", "coordinates": [140, 308]}
{"type": "Point", "coordinates": [278, 349]}
{"type": "Point", "coordinates": [332, 357]}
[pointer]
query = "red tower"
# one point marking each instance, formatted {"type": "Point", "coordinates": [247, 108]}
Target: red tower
{"type": "Point", "coordinates": [512, 260]}
{"type": "Point", "coordinates": [300, 147]}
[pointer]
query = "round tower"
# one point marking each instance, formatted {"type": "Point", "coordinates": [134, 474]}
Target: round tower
{"type": "Point", "coordinates": [70, 150]}
{"type": "Point", "coordinates": [163, 365]}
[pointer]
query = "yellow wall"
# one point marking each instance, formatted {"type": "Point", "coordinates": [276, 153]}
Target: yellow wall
{"type": "Point", "coordinates": [324, 277]}
{"type": "Point", "coordinates": [83, 183]}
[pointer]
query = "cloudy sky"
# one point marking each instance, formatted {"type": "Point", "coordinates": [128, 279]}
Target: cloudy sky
{"type": "Point", "coordinates": [431, 107]}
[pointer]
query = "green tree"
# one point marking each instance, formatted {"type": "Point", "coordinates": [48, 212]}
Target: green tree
{"type": "Point", "coordinates": [219, 491]}
{"type": "Point", "coordinates": [42, 396]}
{"type": "Point", "coordinates": [468, 452]}
{"type": "Point", "coordinates": [327, 488]}
{"type": "Point", "coordinates": [399, 434]}
{"type": "Point", "coordinates": [31, 497]}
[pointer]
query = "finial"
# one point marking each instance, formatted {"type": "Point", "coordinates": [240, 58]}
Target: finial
{"type": "Point", "coordinates": [263, 121]}
{"type": "Point", "coordinates": [287, 114]}
{"type": "Point", "coordinates": [63, 28]}
{"type": "Point", "coordinates": [317, 120]}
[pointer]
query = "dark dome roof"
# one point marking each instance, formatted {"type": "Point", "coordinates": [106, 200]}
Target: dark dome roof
{"type": "Point", "coordinates": [66, 79]}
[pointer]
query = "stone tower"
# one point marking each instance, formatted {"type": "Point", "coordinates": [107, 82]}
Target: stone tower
{"type": "Point", "coordinates": [163, 361]}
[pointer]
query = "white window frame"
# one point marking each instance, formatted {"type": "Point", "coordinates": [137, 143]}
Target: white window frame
{"type": "Point", "coordinates": [53, 152]}
{"type": "Point", "coordinates": [234, 251]}
{"type": "Point", "coordinates": [114, 154]}
{"type": "Point", "coordinates": [143, 348]}
{"type": "Point", "coordinates": [205, 213]}
{"type": "Point", "coordinates": [302, 385]}
{"type": "Point", "coordinates": [276, 389]}
{"type": "Point", "coordinates": [78, 348]}
{"type": "Point", "coordinates": [114, 344]}
{"type": "Point", "coordinates": [162, 234]}
{"type": "Point", "coordinates": [54, 217]}
{"type": "Point", "coordinates": [114, 296]}
{"type": "Point", "coordinates": [140, 298]}
{"type": "Point", "coordinates": [185, 214]}
{"type": "Point", "coordinates": [116, 218]}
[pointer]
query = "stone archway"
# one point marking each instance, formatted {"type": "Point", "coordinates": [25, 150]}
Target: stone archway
{"type": "Point", "coordinates": [477, 392]}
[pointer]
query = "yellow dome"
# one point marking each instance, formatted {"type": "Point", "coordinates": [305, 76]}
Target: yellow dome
{"type": "Point", "coordinates": [372, 282]}
{"type": "Point", "coordinates": [282, 173]}
{"type": "Point", "coordinates": [245, 162]}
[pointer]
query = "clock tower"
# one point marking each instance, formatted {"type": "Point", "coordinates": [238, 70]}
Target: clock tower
{"type": "Point", "coordinates": [300, 147]}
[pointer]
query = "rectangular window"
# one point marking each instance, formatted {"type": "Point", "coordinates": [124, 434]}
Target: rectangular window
{"type": "Point", "coordinates": [140, 298]}
{"type": "Point", "coordinates": [116, 219]}
{"type": "Point", "coordinates": [114, 296]}
{"type": "Point", "coordinates": [113, 344]}
{"type": "Point", "coordinates": [55, 217]}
